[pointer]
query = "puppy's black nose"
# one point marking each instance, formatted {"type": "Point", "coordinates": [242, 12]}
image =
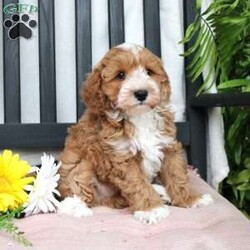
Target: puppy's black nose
{"type": "Point", "coordinates": [141, 95]}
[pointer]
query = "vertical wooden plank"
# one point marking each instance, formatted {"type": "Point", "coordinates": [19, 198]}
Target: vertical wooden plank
{"type": "Point", "coordinates": [116, 22]}
{"type": "Point", "coordinates": [29, 71]}
{"type": "Point", "coordinates": [133, 18]}
{"type": "Point", "coordinates": [47, 61]}
{"type": "Point", "coordinates": [152, 26]}
{"type": "Point", "coordinates": [195, 116]}
{"type": "Point", "coordinates": [83, 46]}
{"type": "Point", "coordinates": [65, 61]}
{"type": "Point", "coordinates": [11, 70]}
{"type": "Point", "coordinates": [99, 30]}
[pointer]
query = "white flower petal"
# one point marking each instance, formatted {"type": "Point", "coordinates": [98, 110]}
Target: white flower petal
{"type": "Point", "coordinates": [41, 196]}
{"type": "Point", "coordinates": [33, 169]}
{"type": "Point", "coordinates": [42, 206]}
{"type": "Point", "coordinates": [55, 202]}
{"type": "Point", "coordinates": [55, 191]}
{"type": "Point", "coordinates": [29, 188]}
{"type": "Point", "coordinates": [56, 177]}
{"type": "Point", "coordinates": [29, 209]}
{"type": "Point", "coordinates": [50, 206]}
{"type": "Point", "coordinates": [37, 210]}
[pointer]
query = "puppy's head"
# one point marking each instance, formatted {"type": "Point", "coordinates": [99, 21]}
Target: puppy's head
{"type": "Point", "coordinates": [129, 79]}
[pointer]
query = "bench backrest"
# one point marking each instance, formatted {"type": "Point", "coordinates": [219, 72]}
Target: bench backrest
{"type": "Point", "coordinates": [49, 133]}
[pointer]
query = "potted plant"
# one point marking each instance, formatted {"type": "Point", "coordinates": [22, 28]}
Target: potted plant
{"type": "Point", "coordinates": [221, 42]}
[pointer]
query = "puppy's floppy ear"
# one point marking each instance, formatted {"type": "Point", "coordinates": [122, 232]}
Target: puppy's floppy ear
{"type": "Point", "coordinates": [92, 93]}
{"type": "Point", "coordinates": [165, 89]}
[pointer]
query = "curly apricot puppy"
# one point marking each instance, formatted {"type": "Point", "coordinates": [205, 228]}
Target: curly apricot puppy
{"type": "Point", "coordinates": [125, 141]}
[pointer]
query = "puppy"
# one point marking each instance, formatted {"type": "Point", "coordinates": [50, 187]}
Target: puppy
{"type": "Point", "coordinates": [125, 141]}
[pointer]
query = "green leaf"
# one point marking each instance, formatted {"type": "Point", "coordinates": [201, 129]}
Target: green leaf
{"type": "Point", "coordinates": [237, 155]}
{"type": "Point", "coordinates": [193, 48]}
{"type": "Point", "coordinates": [191, 30]}
{"type": "Point", "coordinates": [198, 4]}
{"type": "Point", "coordinates": [248, 195]}
{"type": "Point", "coordinates": [234, 5]}
{"type": "Point", "coordinates": [216, 6]}
{"type": "Point", "coordinates": [205, 57]}
{"type": "Point", "coordinates": [201, 50]}
{"type": "Point", "coordinates": [188, 34]}
{"type": "Point", "coordinates": [235, 127]}
{"type": "Point", "coordinates": [244, 187]}
{"type": "Point", "coordinates": [235, 191]}
{"type": "Point", "coordinates": [209, 81]}
{"type": "Point", "coordinates": [234, 83]}
{"type": "Point", "coordinates": [242, 197]}
{"type": "Point", "coordinates": [247, 162]}
{"type": "Point", "coordinates": [243, 177]}
{"type": "Point", "coordinates": [246, 88]}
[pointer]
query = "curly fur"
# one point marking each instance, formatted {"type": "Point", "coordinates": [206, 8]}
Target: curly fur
{"type": "Point", "coordinates": [121, 145]}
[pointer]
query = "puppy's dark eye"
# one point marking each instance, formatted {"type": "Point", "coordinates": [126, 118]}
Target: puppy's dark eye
{"type": "Point", "coordinates": [149, 72]}
{"type": "Point", "coordinates": [121, 76]}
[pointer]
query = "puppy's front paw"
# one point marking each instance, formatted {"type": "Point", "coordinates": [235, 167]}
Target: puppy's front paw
{"type": "Point", "coordinates": [204, 200]}
{"type": "Point", "coordinates": [75, 207]}
{"type": "Point", "coordinates": [152, 216]}
{"type": "Point", "coordinates": [162, 193]}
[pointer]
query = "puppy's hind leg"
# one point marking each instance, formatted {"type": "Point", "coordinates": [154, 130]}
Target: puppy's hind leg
{"type": "Point", "coordinates": [77, 187]}
{"type": "Point", "coordinates": [69, 161]}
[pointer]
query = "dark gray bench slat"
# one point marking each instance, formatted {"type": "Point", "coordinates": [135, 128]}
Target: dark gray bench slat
{"type": "Point", "coordinates": [51, 135]}
{"type": "Point", "coordinates": [221, 100]}
{"type": "Point", "coordinates": [195, 116]}
{"type": "Point", "coordinates": [11, 74]}
{"type": "Point", "coordinates": [152, 26]}
{"type": "Point", "coordinates": [47, 61]}
{"type": "Point", "coordinates": [83, 47]}
{"type": "Point", "coordinates": [116, 22]}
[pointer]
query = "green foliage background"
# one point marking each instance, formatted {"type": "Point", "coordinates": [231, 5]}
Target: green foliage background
{"type": "Point", "coordinates": [221, 40]}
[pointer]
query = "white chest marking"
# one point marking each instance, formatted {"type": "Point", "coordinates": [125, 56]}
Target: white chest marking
{"type": "Point", "coordinates": [150, 141]}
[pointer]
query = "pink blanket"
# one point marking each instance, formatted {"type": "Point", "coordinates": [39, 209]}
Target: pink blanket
{"type": "Point", "coordinates": [218, 226]}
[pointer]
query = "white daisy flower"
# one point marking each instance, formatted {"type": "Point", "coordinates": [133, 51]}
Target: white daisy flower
{"type": "Point", "coordinates": [42, 192]}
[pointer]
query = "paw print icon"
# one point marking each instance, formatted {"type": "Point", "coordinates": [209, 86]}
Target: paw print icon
{"type": "Point", "coordinates": [19, 26]}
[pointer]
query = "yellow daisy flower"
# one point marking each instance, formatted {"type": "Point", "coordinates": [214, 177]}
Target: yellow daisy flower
{"type": "Point", "coordinates": [13, 179]}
